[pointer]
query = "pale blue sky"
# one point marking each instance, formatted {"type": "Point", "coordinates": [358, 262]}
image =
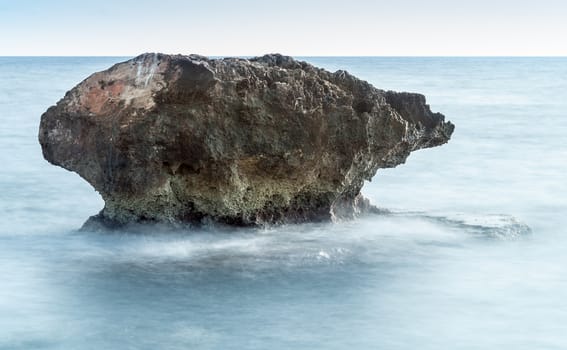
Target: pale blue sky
{"type": "Point", "coordinates": [294, 27]}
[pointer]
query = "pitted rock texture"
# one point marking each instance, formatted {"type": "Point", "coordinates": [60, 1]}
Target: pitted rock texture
{"type": "Point", "coordinates": [187, 139]}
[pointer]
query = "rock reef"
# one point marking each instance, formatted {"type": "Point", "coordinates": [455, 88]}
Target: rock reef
{"type": "Point", "coordinates": [186, 139]}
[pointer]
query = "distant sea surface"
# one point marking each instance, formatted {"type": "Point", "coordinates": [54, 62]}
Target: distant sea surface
{"type": "Point", "coordinates": [472, 256]}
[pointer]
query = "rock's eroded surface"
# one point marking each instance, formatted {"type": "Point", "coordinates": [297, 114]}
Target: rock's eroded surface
{"type": "Point", "coordinates": [186, 139]}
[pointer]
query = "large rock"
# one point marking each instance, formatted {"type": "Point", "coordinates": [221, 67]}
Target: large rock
{"type": "Point", "coordinates": [186, 139]}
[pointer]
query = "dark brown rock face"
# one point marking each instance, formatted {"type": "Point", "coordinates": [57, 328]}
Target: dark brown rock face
{"type": "Point", "coordinates": [186, 139]}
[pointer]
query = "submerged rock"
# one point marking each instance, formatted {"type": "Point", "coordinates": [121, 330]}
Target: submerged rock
{"type": "Point", "coordinates": [187, 139]}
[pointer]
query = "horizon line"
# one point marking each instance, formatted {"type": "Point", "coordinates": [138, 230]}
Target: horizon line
{"type": "Point", "coordinates": [315, 56]}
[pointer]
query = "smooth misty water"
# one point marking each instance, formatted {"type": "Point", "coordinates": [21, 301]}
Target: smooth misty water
{"type": "Point", "coordinates": [472, 257]}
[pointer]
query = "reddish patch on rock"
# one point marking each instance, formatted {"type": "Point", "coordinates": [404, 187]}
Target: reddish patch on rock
{"type": "Point", "coordinates": [99, 98]}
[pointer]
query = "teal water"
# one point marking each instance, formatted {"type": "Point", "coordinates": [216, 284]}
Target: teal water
{"type": "Point", "coordinates": [471, 257]}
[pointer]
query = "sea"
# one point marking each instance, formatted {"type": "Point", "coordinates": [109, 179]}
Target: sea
{"type": "Point", "coordinates": [470, 252]}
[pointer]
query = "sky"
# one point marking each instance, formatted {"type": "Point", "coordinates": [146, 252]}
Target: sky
{"type": "Point", "coordinates": [292, 27]}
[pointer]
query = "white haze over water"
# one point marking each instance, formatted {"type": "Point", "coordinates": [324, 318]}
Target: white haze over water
{"type": "Point", "coordinates": [471, 257]}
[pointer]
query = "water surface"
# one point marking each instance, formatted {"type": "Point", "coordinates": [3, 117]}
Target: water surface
{"type": "Point", "coordinates": [471, 257]}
